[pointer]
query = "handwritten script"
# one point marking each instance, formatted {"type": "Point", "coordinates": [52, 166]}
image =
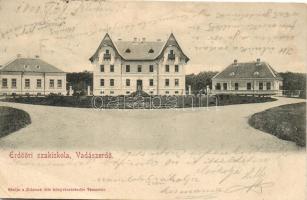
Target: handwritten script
{"type": "Point", "coordinates": [173, 174]}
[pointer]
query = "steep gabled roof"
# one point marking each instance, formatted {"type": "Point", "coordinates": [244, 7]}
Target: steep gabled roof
{"type": "Point", "coordinates": [248, 70]}
{"type": "Point", "coordinates": [106, 41]}
{"type": "Point", "coordinates": [139, 50]}
{"type": "Point", "coordinates": [30, 65]}
{"type": "Point", "coordinates": [144, 50]}
{"type": "Point", "coordinates": [173, 42]}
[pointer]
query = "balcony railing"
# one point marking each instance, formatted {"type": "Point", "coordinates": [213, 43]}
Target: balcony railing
{"type": "Point", "coordinates": [171, 56]}
{"type": "Point", "coordinates": [247, 92]}
{"type": "Point", "coordinates": [107, 56]}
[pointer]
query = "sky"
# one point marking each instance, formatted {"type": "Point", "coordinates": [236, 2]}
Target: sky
{"type": "Point", "coordinates": [66, 33]}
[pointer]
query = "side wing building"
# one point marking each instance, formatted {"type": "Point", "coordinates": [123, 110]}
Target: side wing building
{"type": "Point", "coordinates": [31, 76]}
{"type": "Point", "coordinates": [248, 78]}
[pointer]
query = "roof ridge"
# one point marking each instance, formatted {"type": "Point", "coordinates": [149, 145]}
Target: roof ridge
{"type": "Point", "coordinates": [116, 45]}
{"type": "Point", "coordinates": [271, 70]}
{"type": "Point", "coordinates": [15, 65]}
{"type": "Point", "coordinates": [247, 70]}
{"type": "Point", "coordinates": [9, 62]}
{"type": "Point", "coordinates": [139, 41]}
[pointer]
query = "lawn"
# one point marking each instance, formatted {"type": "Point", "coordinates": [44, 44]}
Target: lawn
{"type": "Point", "coordinates": [155, 102]}
{"type": "Point", "coordinates": [12, 119]}
{"type": "Point", "coordinates": [287, 122]}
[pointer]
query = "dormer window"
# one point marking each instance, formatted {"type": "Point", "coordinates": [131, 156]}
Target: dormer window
{"type": "Point", "coordinates": [37, 67]}
{"type": "Point", "coordinates": [26, 66]}
{"type": "Point", "coordinates": [231, 74]}
{"type": "Point", "coordinates": [150, 51]}
{"type": "Point", "coordinates": [171, 55]}
{"type": "Point", "coordinates": [107, 55]}
{"type": "Point", "coordinates": [256, 73]}
{"type": "Point", "coordinates": [128, 50]}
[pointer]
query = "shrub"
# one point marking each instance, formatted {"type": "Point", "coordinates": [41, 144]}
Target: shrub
{"type": "Point", "coordinates": [285, 122]}
{"type": "Point", "coordinates": [142, 93]}
{"type": "Point", "coordinates": [12, 119]}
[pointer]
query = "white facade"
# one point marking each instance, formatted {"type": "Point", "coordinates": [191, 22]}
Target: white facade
{"type": "Point", "coordinates": [32, 83]}
{"type": "Point", "coordinates": [246, 86]}
{"type": "Point", "coordinates": [25, 76]}
{"type": "Point", "coordinates": [250, 78]}
{"type": "Point", "coordinates": [160, 76]}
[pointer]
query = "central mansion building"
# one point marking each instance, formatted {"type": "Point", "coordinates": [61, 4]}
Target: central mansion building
{"type": "Point", "coordinates": [124, 67]}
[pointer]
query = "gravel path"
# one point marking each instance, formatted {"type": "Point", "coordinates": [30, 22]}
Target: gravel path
{"type": "Point", "coordinates": [219, 129]}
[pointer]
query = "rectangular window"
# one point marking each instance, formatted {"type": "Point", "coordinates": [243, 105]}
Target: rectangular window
{"type": "Point", "coordinates": [260, 86]}
{"type": "Point", "coordinates": [27, 83]}
{"type": "Point", "coordinates": [151, 68]}
{"type": "Point", "coordinates": [59, 83]}
{"type": "Point", "coordinates": [176, 82]}
{"type": "Point", "coordinates": [224, 86]}
{"type": "Point", "coordinates": [107, 55]}
{"type": "Point", "coordinates": [14, 83]}
{"type": "Point", "coordinates": [111, 68]}
{"type": "Point", "coordinates": [51, 83]}
{"type": "Point", "coordinates": [127, 82]}
{"type": "Point", "coordinates": [268, 86]}
{"type": "Point", "coordinates": [166, 82]}
{"type": "Point", "coordinates": [111, 92]}
{"type": "Point", "coordinates": [166, 92]}
{"type": "Point", "coordinates": [127, 92]}
{"type": "Point", "coordinates": [249, 86]}
{"type": "Point", "coordinates": [101, 68]}
{"type": "Point", "coordinates": [176, 68]}
{"type": "Point", "coordinates": [176, 92]}
{"type": "Point", "coordinates": [139, 68]}
{"type": "Point", "coordinates": [38, 83]}
{"type": "Point", "coordinates": [171, 55]}
{"type": "Point", "coordinates": [166, 68]}
{"type": "Point", "coordinates": [101, 82]}
{"type": "Point", "coordinates": [4, 82]}
{"type": "Point", "coordinates": [218, 86]}
{"type": "Point", "coordinates": [236, 86]}
{"type": "Point", "coordinates": [151, 82]}
{"type": "Point", "coordinates": [111, 82]}
{"type": "Point", "coordinates": [127, 68]}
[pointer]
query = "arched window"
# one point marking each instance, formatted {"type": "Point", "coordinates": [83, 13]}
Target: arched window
{"type": "Point", "coordinates": [128, 50]}
{"type": "Point", "coordinates": [150, 51]}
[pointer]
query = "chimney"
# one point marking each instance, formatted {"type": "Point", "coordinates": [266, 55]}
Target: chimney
{"type": "Point", "coordinates": [36, 56]}
{"type": "Point", "coordinates": [19, 55]}
{"type": "Point", "coordinates": [235, 62]}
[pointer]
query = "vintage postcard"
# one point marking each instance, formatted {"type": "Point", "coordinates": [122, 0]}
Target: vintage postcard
{"type": "Point", "coordinates": [152, 100]}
